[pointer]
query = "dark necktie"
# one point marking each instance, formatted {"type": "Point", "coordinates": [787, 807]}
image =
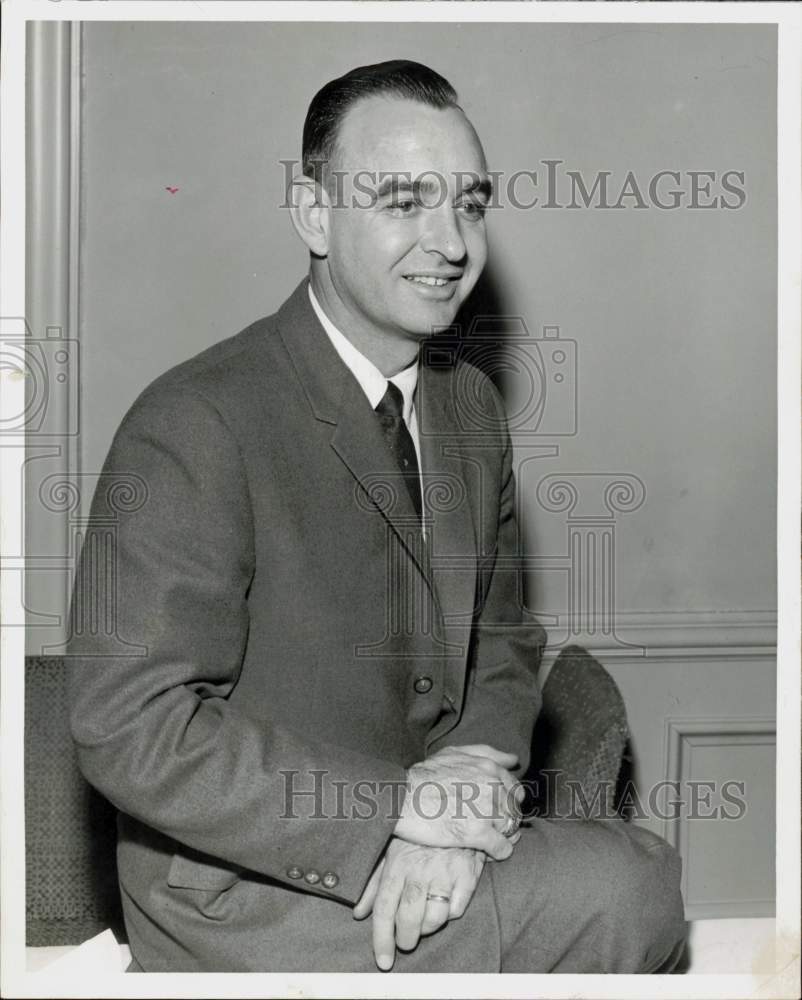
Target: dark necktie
{"type": "Point", "coordinates": [390, 412]}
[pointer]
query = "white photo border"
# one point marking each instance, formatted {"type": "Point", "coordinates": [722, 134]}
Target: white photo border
{"type": "Point", "coordinates": [781, 980]}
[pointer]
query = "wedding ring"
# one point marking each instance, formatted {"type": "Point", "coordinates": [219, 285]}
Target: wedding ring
{"type": "Point", "coordinates": [436, 895]}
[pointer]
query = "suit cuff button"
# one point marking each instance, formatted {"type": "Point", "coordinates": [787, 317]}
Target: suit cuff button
{"type": "Point", "coordinates": [330, 880]}
{"type": "Point", "coordinates": [312, 877]}
{"type": "Point", "coordinates": [294, 872]}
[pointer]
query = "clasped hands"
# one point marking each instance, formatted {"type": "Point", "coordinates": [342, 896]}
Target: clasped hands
{"type": "Point", "coordinates": [460, 807]}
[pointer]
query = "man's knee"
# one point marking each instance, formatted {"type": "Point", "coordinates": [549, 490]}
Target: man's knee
{"type": "Point", "coordinates": [649, 902]}
{"type": "Point", "coordinates": [596, 897]}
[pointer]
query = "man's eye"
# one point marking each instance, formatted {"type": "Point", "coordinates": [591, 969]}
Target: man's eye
{"type": "Point", "coordinates": [402, 208]}
{"type": "Point", "coordinates": [473, 209]}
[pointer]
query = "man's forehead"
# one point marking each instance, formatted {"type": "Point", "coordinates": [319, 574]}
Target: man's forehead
{"type": "Point", "coordinates": [390, 134]}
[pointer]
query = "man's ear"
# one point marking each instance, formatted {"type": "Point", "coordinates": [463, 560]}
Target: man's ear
{"type": "Point", "coordinates": [310, 210]}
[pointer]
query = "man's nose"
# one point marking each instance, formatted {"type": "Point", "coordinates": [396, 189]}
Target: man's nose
{"type": "Point", "coordinates": [442, 234]}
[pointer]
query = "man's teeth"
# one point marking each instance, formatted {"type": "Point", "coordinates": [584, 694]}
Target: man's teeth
{"type": "Point", "coordinates": [423, 279]}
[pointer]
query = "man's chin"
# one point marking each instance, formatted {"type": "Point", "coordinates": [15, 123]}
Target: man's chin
{"type": "Point", "coordinates": [427, 323]}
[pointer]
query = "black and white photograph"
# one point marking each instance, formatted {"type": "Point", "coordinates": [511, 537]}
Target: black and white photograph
{"type": "Point", "coordinates": [400, 459]}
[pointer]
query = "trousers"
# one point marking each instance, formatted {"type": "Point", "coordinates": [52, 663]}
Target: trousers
{"type": "Point", "coordinates": [575, 897]}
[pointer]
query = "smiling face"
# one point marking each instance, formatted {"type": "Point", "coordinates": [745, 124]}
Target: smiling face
{"type": "Point", "coordinates": [402, 256]}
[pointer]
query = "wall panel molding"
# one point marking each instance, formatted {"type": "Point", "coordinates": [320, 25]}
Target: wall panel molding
{"type": "Point", "coordinates": [683, 737]}
{"type": "Point", "coordinates": [657, 636]}
{"type": "Point", "coordinates": [53, 208]}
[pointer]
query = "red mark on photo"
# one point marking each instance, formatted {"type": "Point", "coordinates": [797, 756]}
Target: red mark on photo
{"type": "Point", "coordinates": [171, 190]}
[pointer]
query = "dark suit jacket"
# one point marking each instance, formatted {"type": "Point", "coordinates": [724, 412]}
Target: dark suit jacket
{"type": "Point", "coordinates": [299, 634]}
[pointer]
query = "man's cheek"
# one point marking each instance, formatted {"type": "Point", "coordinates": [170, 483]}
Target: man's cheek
{"type": "Point", "coordinates": [477, 250]}
{"type": "Point", "coordinates": [470, 278]}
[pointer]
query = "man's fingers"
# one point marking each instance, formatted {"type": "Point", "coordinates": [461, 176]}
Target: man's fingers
{"type": "Point", "coordinates": [410, 914]}
{"type": "Point", "coordinates": [501, 757]}
{"type": "Point", "coordinates": [438, 912]}
{"type": "Point", "coordinates": [497, 763]}
{"type": "Point", "coordinates": [510, 794]}
{"type": "Point", "coordinates": [384, 910]}
{"type": "Point", "coordinates": [513, 840]}
{"type": "Point", "coordinates": [497, 847]}
{"type": "Point", "coordinates": [461, 895]}
{"type": "Point", "coordinates": [365, 902]}
{"type": "Point", "coordinates": [434, 919]}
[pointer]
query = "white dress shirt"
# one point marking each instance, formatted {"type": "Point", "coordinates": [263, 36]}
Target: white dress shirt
{"type": "Point", "coordinates": [373, 383]}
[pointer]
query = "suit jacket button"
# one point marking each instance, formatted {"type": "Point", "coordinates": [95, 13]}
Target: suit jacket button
{"type": "Point", "coordinates": [312, 877]}
{"type": "Point", "coordinates": [330, 880]}
{"type": "Point", "coordinates": [423, 685]}
{"type": "Point", "coordinates": [294, 872]}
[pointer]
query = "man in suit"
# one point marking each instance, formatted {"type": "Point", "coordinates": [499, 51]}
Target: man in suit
{"type": "Point", "coordinates": [315, 758]}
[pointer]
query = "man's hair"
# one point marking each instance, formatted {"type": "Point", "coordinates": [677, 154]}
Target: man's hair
{"type": "Point", "coordinates": [395, 78]}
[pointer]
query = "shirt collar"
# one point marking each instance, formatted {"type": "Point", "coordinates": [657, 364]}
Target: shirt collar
{"type": "Point", "coordinates": [371, 380]}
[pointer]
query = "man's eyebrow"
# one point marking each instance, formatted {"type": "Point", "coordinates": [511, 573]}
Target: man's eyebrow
{"type": "Point", "coordinates": [478, 185]}
{"type": "Point", "coordinates": [392, 184]}
{"type": "Point", "coordinates": [404, 183]}
{"type": "Point", "coordinates": [430, 184]}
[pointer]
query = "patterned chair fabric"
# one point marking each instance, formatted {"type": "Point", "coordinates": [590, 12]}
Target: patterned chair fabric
{"type": "Point", "coordinates": [71, 890]}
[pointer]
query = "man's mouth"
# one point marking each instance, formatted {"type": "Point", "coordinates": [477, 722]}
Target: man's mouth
{"type": "Point", "coordinates": [431, 280]}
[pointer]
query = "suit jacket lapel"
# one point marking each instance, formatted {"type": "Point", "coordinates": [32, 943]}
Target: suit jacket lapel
{"type": "Point", "coordinates": [448, 560]}
{"type": "Point", "coordinates": [337, 399]}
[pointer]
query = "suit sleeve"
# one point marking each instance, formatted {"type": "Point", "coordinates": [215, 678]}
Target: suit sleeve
{"type": "Point", "coordinates": [502, 699]}
{"type": "Point", "coordinates": [155, 732]}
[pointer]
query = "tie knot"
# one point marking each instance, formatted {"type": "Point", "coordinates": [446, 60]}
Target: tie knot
{"type": "Point", "coordinates": [392, 402]}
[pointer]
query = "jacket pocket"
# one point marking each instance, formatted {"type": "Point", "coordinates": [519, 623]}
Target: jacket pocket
{"type": "Point", "coordinates": [195, 872]}
{"type": "Point", "coordinates": [212, 886]}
